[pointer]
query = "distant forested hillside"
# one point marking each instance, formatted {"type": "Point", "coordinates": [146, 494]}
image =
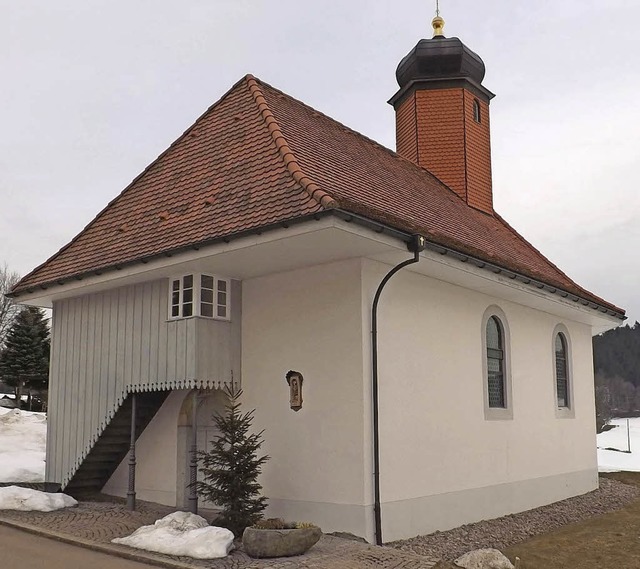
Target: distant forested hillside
{"type": "Point", "coordinates": [616, 358]}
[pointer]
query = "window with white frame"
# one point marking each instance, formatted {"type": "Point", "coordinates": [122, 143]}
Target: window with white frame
{"type": "Point", "coordinates": [562, 372]}
{"type": "Point", "coordinates": [199, 294]}
{"type": "Point", "coordinates": [496, 365]}
{"type": "Point", "coordinates": [563, 393]}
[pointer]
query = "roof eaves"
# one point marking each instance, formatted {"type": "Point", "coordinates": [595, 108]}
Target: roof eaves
{"type": "Point", "coordinates": [31, 288]}
{"type": "Point", "coordinates": [602, 307]}
{"type": "Point", "coordinates": [288, 157]}
{"type": "Point", "coordinates": [362, 220]}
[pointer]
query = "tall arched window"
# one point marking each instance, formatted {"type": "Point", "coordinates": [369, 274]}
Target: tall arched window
{"type": "Point", "coordinates": [476, 111]}
{"type": "Point", "coordinates": [495, 363]}
{"type": "Point", "coordinates": [562, 381]}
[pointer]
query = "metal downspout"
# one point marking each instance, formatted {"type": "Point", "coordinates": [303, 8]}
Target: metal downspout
{"type": "Point", "coordinates": [416, 245]}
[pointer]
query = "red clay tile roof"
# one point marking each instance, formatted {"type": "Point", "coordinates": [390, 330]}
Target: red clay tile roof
{"type": "Point", "coordinates": [259, 157]}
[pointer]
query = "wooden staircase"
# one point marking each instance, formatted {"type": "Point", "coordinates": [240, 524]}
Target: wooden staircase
{"type": "Point", "coordinates": [113, 445]}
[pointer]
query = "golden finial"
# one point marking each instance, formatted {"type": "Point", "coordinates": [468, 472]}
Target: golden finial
{"type": "Point", "coordinates": [437, 22]}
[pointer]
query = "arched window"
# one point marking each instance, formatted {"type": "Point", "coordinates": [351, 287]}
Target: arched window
{"type": "Point", "coordinates": [476, 111]}
{"type": "Point", "coordinates": [495, 363]}
{"type": "Point", "coordinates": [562, 376]}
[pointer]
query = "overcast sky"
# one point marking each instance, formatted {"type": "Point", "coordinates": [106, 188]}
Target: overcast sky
{"type": "Point", "coordinates": [92, 91]}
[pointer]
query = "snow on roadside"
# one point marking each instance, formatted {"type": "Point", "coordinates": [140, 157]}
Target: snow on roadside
{"type": "Point", "coordinates": [27, 500]}
{"type": "Point", "coordinates": [182, 534]}
{"type": "Point", "coordinates": [22, 445]}
{"type": "Point", "coordinates": [614, 460]}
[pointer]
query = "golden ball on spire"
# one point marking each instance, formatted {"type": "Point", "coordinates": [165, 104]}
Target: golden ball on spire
{"type": "Point", "coordinates": [438, 26]}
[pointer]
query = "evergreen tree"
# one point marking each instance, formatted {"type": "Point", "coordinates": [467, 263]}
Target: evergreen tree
{"type": "Point", "coordinates": [24, 360]}
{"type": "Point", "coordinates": [232, 466]}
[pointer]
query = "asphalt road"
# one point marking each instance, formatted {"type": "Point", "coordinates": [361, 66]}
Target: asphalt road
{"type": "Point", "coordinates": [23, 550]}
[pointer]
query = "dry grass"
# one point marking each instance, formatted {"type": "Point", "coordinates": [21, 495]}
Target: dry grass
{"type": "Point", "coordinates": [611, 541]}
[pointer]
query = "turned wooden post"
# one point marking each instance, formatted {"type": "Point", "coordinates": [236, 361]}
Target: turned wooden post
{"type": "Point", "coordinates": [193, 458]}
{"type": "Point", "coordinates": [131, 493]}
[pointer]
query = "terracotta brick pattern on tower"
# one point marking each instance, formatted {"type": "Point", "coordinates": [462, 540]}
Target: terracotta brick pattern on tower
{"type": "Point", "coordinates": [440, 127]}
{"type": "Point", "coordinates": [478, 155]}
{"type": "Point", "coordinates": [436, 129]}
{"type": "Point", "coordinates": [406, 131]}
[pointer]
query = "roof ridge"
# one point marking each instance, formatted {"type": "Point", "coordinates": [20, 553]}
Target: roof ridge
{"type": "Point", "coordinates": [288, 157]}
{"type": "Point", "coordinates": [366, 138]}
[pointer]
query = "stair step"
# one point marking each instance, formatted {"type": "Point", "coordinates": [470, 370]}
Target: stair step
{"type": "Point", "coordinates": [86, 482]}
{"type": "Point", "coordinates": [125, 430]}
{"type": "Point", "coordinates": [112, 447]}
{"type": "Point", "coordinates": [116, 438]}
{"type": "Point", "coordinates": [93, 467]}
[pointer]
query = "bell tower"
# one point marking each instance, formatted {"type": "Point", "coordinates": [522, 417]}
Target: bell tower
{"type": "Point", "coordinates": [442, 115]}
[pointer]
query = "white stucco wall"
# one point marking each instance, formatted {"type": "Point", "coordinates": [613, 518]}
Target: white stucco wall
{"type": "Point", "coordinates": [309, 320]}
{"type": "Point", "coordinates": [443, 463]}
{"type": "Point", "coordinates": [156, 457]}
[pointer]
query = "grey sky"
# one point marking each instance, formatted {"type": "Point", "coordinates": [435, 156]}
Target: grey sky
{"type": "Point", "coordinates": [94, 90]}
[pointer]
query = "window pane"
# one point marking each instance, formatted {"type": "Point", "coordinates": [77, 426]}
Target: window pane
{"type": "Point", "coordinates": [222, 298]}
{"type": "Point", "coordinates": [476, 111]}
{"type": "Point", "coordinates": [187, 309]}
{"type": "Point", "coordinates": [175, 311]}
{"type": "Point", "coordinates": [187, 295]}
{"type": "Point", "coordinates": [175, 298]}
{"type": "Point", "coordinates": [495, 363]}
{"type": "Point", "coordinates": [495, 383]}
{"type": "Point", "coordinates": [206, 310]}
{"type": "Point", "coordinates": [494, 335]}
{"type": "Point", "coordinates": [175, 285]}
{"type": "Point", "coordinates": [187, 281]}
{"type": "Point", "coordinates": [206, 281]}
{"type": "Point", "coordinates": [222, 286]}
{"type": "Point", "coordinates": [561, 371]}
{"type": "Point", "coordinates": [206, 295]}
{"type": "Point", "coordinates": [222, 311]}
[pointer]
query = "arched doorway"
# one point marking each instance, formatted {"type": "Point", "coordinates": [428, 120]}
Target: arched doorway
{"type": "Point", "coordinates": [208, 403]}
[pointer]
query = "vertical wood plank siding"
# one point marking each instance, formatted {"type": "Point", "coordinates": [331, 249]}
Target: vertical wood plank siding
{"type": "Point", "coordinates": [109, 344]}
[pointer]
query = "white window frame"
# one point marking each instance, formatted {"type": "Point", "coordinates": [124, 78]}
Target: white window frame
{"type": "Point", "coordinates": [568, 412]}
{"type": "Point", "coordinates": [197, 296]}
{"type": "Point", "coordinates": [497, 413]}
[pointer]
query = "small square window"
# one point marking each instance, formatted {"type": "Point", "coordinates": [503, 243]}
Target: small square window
{"type": "Point", "coordinates": [199, 295]}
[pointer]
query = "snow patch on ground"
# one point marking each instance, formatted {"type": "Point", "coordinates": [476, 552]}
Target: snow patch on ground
{"type": "Point", "coordinates": [22, 445]}
{"type": "Point", "coordinates": [27, 500]}
{"type": "Point", "coordinates": [614, 461]}
{"type": "Point", "coordinates": [182, 534]}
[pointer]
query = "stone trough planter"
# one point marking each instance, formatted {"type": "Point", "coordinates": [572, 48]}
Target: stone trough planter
{"type": "Point", "coordinates": [262, 543]}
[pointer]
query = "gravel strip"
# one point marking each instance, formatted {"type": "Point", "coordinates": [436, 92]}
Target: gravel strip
{"type": "Point", "coordinates": [501, 533]}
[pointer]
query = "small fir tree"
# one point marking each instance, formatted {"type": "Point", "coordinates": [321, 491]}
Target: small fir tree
{"type": "Point", "coordinates": [231, 468]}
{"type": "Point", "coordinates": [24, 359]}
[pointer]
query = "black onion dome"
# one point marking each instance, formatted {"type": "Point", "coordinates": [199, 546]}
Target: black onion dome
{"type": "Point", "coordinates": [440, 58]}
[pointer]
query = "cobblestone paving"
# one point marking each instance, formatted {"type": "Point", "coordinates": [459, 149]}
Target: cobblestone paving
{"type": "Point", "coordinates": [100, 522]}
